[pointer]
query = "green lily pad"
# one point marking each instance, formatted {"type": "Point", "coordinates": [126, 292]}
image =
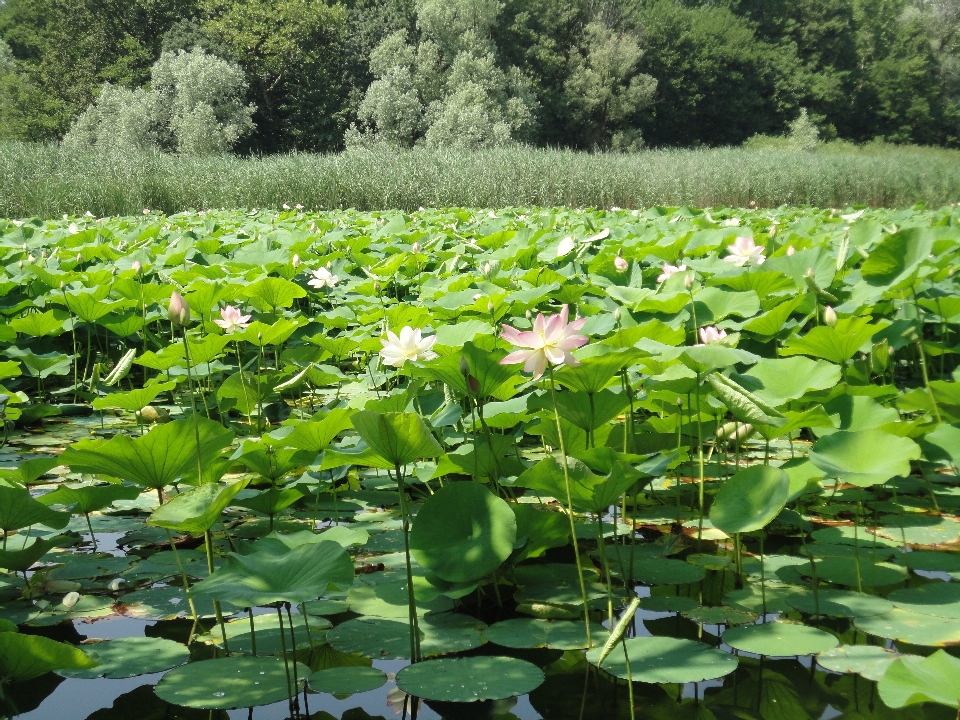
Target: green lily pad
{"type": "Point", "coordinates": [839, 603]}
{"type": "Point", "coordinates": [668, 603]}
{"type": "Point", "coordinates": [910, 681]}
{"type": "Point", "coordinates": [665, 571]}
{"type": "Point", "coordinates": [164, 603]}
{"type": "Point", "coordinates": [750, 598]}
{"type": "Point", "coordinates": [720, 616]}
{"type": "Point", "coordinates": [81, 567]}
{"type": "Point", "coordinates": [932, 561]}
{"type": "Point", "coordinates": [666, 660]}
{"type": "Point", "coordinates": [463, 532]}
{"type": "Point", "coordinates": [910, 627]}
{"type": "Point", "coordinates": [920, 529]}
{"type": "Point", "coordinates": [867, 660]}
{"type": "Point", "coordinates": [779, 639]}
{"type": "Point", "coordinates": [89, 606]}
{"type": "Point", "coordinates": [389, 599]}
{"type": "Point", "coordinates": [469, 679]}
{"type": "Point", "coordinates": [388, 639]}
{"type": "Point", "coordinates": [267, 633]}
{"type": "Point", "coordinates": [843, 571]}
{"type": "Point", "coordinates": [941, 599]}
{"type": "Point", "coordinates": [131, 656]}
{"type": "Point", "coordinates": [347, 680]}
{"type": "Point", "coordinates": [226, 683]}
{"type": "Point", "coordinates": [538, 633]}
{"type": "Point", "coordinates": [325, 607]}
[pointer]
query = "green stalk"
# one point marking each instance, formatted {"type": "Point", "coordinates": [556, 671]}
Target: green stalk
{"type": "Point", "coordinates": [700, 460]}
{"type": "Point", "coordinates": [411, 599]}
{"type": "Point", "coordinates": [253, 634]}
{"type": "Point", "coordinates": [573, 527]}
{"type": "Point", "coordinates": [286, 663]}
{"type": "Point", "coordinates": [186, 586]}
{"type": "Point", "coordinates": [606, 568]}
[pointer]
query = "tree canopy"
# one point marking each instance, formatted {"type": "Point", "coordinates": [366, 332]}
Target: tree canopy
{"type": "Point", "coordinates": [320, 75]}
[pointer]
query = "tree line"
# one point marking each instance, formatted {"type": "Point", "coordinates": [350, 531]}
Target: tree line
{"type": "Point", "coordinates": [266, 76]}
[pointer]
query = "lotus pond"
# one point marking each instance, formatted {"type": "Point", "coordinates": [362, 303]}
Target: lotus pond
{"type": "Point", "coordinates": [526, 464]}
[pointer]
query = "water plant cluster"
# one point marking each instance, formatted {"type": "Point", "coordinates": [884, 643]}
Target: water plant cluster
{"type": "Point", "coordinates": [700, 463]}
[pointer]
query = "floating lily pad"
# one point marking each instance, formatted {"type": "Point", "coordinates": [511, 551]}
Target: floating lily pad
{"type": "Point", "coordinates": [665, 571]}
{"type": "Point", "coordinates": [347, 680]}
{"type": "Point", "coordinates": [750, 598]}
{"type": "Point", "coordinates": [921, 529]}
{"type": "Point", "coordinates": [910, 627]}
{"type": "Point", "coordinates": [89, 606]}
{"type": "Point", "coordinates": [779, 639]}
{"type": "Point", "coordinates": [839, 603]}
{"type": "Point", "coordinates": [89, 567]}
{"type": "Point", "coordinates": [937, 598]}
{"type": "Point", "coordinates": [389, 599]}
{"type": "Point", "coordinates": [469, 679]}
{"type": "Point", "coordinates": [720, 616]}
{"type": "Point", "coordinates": [325, 607]}
{"type": "Point", "coordinates": [843, 571]}
{"type": "Point", "coordinates": [538, 633]}
{"type": "Point", "coordinates": [226, 683]}
{"type": "Point", "coordinates": [267, 633]}
{"type": "Point", "coordinates": [560, 592]}
{"type": "Point", "coordinates": [668, 603]}
{"type": "Point", "coordinates": [164, 603]}
{"type": "Point", "coordinates": [867, 660]}
{"type": "Point", "coordinates": [131, 656]}
{"type": "Point", "coordinates": [666, 660]}
{"type": "Point", "coordinates": [932, 560]}
{"type": "Point", "coordinates": [387, 639]}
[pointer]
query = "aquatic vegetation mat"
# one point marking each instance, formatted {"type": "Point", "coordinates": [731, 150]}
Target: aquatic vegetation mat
{"type": "Point", "coordinates": [450, 458]}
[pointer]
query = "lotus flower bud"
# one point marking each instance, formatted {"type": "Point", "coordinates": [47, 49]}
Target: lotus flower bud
{"type": "Point", "coordinates": [489, 307]}
{"type": "Point", "coordinates": [178, 311]}
{"type": "Point", "coordinates": [295, 260]}
{"type": "Point", "coordinates": [116, 584]}
{"type": "Point", "coordinates": [486, 268]}
{"type": "Point", "coordinates": [790, 250]}
{"type": "Point", "coordinates": [688, 281]}
{"type": "Point", "coordinates": [829, 316]}
{"type": "Point", "coordinates": [529, 315]}
{"type": "Point", "coordinates": [71, 599]}
{"type": "Point", "coordinates": [616, 314]}
{"type": "Point", "coordinates": [63, 286]}
{"type": "Point", "coordinates": [809, 272]}
{"type": "Point", "coordinates": [464, 367]}
{"type": "Point", "coordinates": [136, 267]}
{"type": "Point", "coordinates": [415, 248]}
{"type": "Point", "coordinates": [79, 258]}
{"type": "Point", "coordinates": [620, 263]}
{"type": "Point", "coordinates": [376, 286]}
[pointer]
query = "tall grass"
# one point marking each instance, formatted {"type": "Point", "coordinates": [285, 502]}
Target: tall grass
{"type": "Point", "coordinates": [44, 180]}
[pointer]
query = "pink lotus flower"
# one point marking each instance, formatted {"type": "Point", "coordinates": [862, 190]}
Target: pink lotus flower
{"type": "Point", "coordinates": [550, 341]}
{"type": "Point", "coordinates": [710, 334]}
{"type": "Point", "coordinates": [178, 311]}
{"type": "Point", "coordinates": [323, 278]}
{"type": "Point", "coordinates": [744, 250]}
{"type": "Point", "coordinates": [232, 319]}
{"type": "Point", "coordinates": [409, 345]}
{"type": "Point", "coordinates": [669, 270]}
{"type": "Point", "coordinates": [620, 263]}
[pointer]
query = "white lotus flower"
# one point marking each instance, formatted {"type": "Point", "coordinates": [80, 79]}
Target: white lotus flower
{"type": "Point", "coordinates": [669, 270]}
{"type": "Point", "coordinates": [323, 278]}
{"type": "Point", "coordinates": [744, 250]}
{"type": "Point", "coordinates": [710, 334]}
{"type": "Point", "coordinates": [409, 345]}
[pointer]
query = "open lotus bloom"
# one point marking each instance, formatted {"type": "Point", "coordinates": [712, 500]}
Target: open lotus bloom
{"type": "Point", "coordinates": [409, 345]}
{"type": "Point", "coordinates": [231, 319]}
{"type": "Point", "coordinates": [744, 250]}
{"type": "Point", "coordinates": [323, 278]}
{"type": "Point", "coordinates": [551, 340]}
{"type": "Point", "coordinates": [669, 270]}
{"type": "Point", "coordinates": [711, 334]}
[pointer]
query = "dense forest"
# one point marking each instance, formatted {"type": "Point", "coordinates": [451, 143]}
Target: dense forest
{"type": "Point", "coordinates": [266, 76]}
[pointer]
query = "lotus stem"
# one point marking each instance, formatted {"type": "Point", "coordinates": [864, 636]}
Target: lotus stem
{"type": "Point", "coordinates": [93, 537]}
{"type": "Point", "coordinates": [573, 527]}
{"type": "Point", "coordinates": [186, 585]}
{"type": "Point", "coordinates": [293, 651]}
{"type": "Point", "coordinates": [253, 632]}
{"type": "Point", "coordinates": [606, 568]}
{"type": "Point", "coordinates": [411, 598]}
{"type": "Point", "coordinates": [286, 662]}
{"type": "Point", "coordinates": [208, 546]}
{"type": "Point", "coordinates": [626, 660]}
{"type": "Point", "coordinates": [700, 462]}
{"type": "Point", "coordinates": [763, 579]}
